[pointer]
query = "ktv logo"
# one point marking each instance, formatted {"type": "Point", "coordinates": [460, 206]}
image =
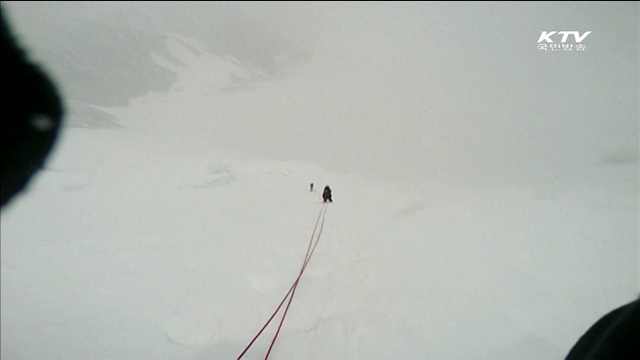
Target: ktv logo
{"type": "Point", "coordinates": [546, 40]}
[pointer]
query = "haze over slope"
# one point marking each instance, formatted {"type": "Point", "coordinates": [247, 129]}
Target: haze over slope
{"type": "Point", "coordinates": [411, 92]}
{"type": "Point", "coordinates": [166, 224]}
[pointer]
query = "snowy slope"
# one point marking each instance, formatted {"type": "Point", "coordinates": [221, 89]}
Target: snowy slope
{"type": "Point", "coordinates": [116, 253]}
{"type": "Point", "coordinates": [483, 229]}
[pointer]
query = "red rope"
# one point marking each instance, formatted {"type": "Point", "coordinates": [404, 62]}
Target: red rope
{"type": "Point", "coordinates": [293, 293]}
{"type": "Point", "coordinates": [293, 287]}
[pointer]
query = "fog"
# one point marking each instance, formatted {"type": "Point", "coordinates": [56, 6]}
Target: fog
{"type": "Point", "coordinates": [407, 91]}
{"type": "Point", "coordinates": [495, 202]}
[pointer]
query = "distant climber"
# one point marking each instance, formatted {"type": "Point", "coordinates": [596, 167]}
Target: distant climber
{"type": "Point", "coordinates": [311, 188]}
{"type": "Point", "coordinates": [326, 194]}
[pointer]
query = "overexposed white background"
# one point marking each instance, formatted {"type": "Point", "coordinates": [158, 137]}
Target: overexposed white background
{"type": "Point", "coordinates": [486, 192]}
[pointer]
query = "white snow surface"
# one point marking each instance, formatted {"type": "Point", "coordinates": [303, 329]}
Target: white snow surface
{"type": "Point", "coordinates": [154, 242]}
{"type": "Point", "coordinates": [117, 254]}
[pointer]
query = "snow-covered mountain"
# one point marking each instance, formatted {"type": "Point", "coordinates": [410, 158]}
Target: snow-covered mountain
{"type": "Point", "coordinates": [486, 194]}
{"type": "Point", "coordinates": [412, 92]}
{"type": "Point", "coordinates": [122, 251]}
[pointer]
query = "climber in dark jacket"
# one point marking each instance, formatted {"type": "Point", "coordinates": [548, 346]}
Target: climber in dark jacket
{"type": "Point", "coordinates": [326, 194]}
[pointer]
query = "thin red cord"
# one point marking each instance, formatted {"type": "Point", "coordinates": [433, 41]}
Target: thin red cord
{"type": "Point", "coordinates": [293, 287]}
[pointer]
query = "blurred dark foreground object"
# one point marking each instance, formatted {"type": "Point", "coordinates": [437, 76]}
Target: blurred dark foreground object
{"type": "Point", "coordinates": [615, 336]}
{"type": "Point", "coordinates": [31, 116]}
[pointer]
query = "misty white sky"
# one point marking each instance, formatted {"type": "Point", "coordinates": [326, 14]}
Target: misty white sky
{"type": "Point", "coordinates": [454, 91]}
